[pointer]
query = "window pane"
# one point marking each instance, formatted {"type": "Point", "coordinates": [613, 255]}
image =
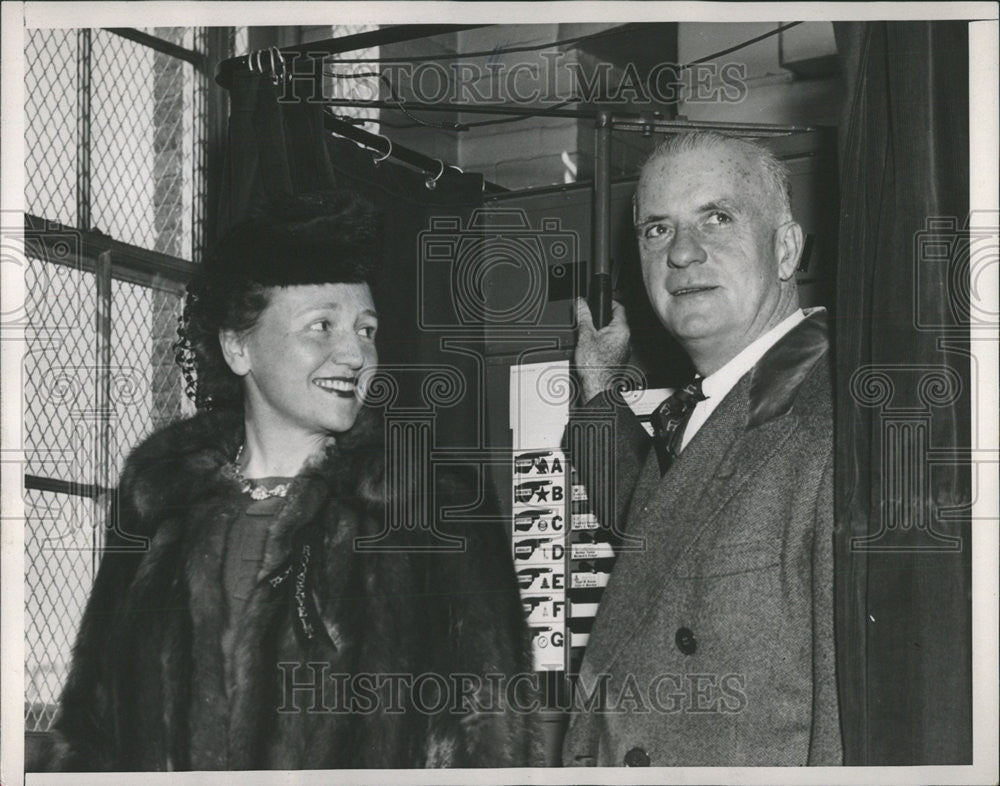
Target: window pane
{"type": "Point", "coordinates": [182, 36]}
{"type": "Point", "coordinates": [60, 370]}
{"type": "Point", "coordinates": [352, 82]}
{"type": "Point", "coordinates": [51, 119]}
{"type": "Point", "coordinates": [59, 573]}
{"type": "Point", "coordinates": [142, 152]}
{"type": "Point", "coordinates": [146, 185]}
{"type": "Point", "coordinates": [241, 40]}
{"type": "Point", "coordinates": [147, 391]}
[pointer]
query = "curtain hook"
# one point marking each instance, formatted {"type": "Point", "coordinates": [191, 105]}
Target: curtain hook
{"type": "Point", "coordinates": [456, 168]}
{"type": "Point", "coordinates": [283, 67]}
{"type": "Point", "coordinates": [260, 61]}
{"type": "Point", "coordinates": [250, 62]}
{"type": "Point", "coordinates": [274, 71]}
{"type": "Point", "coordinates": [432, 182]}
{"type": "Point", "coordinates": [388, 153]}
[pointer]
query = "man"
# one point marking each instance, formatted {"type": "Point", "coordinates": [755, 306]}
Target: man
{"type": "Point", "coordinates": [713, 644]}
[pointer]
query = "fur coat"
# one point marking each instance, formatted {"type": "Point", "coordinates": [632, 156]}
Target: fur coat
{"type": "Point", "coordinates": [320, 637]}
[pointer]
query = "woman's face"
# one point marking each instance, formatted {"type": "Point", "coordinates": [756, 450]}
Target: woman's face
{"type": "Point", "coordinates": [301, 361]}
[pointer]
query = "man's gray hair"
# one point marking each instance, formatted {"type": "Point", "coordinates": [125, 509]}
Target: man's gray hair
{"type": "Point", "coordinates": [772, 172]}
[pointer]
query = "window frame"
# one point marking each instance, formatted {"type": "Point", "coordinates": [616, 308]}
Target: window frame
{"type": "Point", "coordinates": [109, 259]}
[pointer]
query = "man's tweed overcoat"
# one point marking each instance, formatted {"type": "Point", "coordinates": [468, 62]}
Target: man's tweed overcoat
{"type": "Point", "coordinates": [714, 637]}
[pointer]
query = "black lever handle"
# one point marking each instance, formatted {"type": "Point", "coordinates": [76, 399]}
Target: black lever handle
{"type": "Point", "coordinates": [599, 299]}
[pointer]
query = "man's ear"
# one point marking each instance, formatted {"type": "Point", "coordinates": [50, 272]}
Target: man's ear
{"type": "Point", "coordinates": [788, 249]}
{"type": "Point", "coordinates": [234, 351]}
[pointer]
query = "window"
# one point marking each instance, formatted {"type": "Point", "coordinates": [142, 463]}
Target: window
{"type": "Point", "coordinates": [351, 80]}
{"type": "Point", "coordinates": [116, 138]}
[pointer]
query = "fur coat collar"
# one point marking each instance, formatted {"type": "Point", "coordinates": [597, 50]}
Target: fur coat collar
{"type": "Point", "coordinates": [147, 689]}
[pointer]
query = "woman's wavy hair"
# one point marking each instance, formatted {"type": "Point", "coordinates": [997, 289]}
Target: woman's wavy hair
{"type": "Point", "coordinates": [325, 237]}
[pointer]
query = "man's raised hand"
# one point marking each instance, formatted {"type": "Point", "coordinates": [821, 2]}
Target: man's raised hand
{"type": "Point", "coordinates": [599, 352]}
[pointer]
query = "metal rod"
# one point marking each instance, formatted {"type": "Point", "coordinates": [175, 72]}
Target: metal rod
{"type": "Point", "coordinates": [677, 126]}
{"type": "Point", "coordinates": [394, 34]}
{"type": "Point", "coordinates": [195, 58]}
{"type": "Point", "coordinates": [131, 263]}
{"type": "Point", "coordinates": [54, 486]}
{"type": "Point", "coordinates": [398, 152]}
{"type": "Point", "coordinates": [600, 280]}
{"type": "Point", "coordinates": [83, 131]}
{"type": "Point", "coordinates": [623, 121]}
{"type": "Point", "coordinates": [199, 206]}
{"type": "Point", "coordinates": [376, 142]}
{"type": "Point", "coordinates": [103, 420]}
{"type": "Point", "coordinates": [472, 109]}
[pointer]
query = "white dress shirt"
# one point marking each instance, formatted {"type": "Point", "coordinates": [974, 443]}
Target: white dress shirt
{"type": "Point", "coordinates": [717, 385]}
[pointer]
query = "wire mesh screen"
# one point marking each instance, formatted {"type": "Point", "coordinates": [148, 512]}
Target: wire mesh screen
{"type": "Point", "coordinates": [241, 40]}
{"type": "Point", "coordinates": [142, 145]}
{"type": "Point", "coordinates": [146, 388]}
{"type": "Point", "coordinates": [358, 81]}
{"type": "Point", "coordinates": [114, 129]}
{"type": "Point", "coordinates": [51, 114]}
{"type": "Point", "coordinates": [188, 37]}
{"type": "Point", "coordinates": [62, 425]}
{"type": "Point", "coordinates": [136, 110]}
{"type": "Point", "coordinates": [59, 572]}
{"type": "Point", "coordinates": [60, 371]}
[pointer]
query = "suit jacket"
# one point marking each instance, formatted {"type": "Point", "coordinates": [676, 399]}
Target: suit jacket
{"type": "Point", "coordinates": [713, 643]}
{"type": "Point", "coordinates": [146, 691]}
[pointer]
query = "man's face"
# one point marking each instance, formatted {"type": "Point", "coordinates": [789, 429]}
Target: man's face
{"type": "Point", "coordinates": [710, 259]}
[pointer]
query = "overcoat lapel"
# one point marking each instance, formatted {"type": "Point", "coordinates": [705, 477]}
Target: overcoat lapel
{"type": "Point", "coordinates": [668, 513]}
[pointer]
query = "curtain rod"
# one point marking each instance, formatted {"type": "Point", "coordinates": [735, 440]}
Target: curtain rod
{"type": "Point", "coordinates": [399, 152]}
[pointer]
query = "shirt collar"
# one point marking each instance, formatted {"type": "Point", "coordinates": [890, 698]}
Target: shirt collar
{"type": "Point", "coordinates": [718, 384]}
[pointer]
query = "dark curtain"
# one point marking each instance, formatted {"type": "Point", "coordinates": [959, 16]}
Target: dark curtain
{"type": "Point", "coordinates": [271, 147]}
{"type": "Point", "coordinates": [416, 314]}
{"type": "Point", "coordinates": [903, 408]}
{"type": "Point", "coordinates": [276, 146]}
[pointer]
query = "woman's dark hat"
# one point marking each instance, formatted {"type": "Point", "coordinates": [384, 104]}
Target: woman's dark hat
{"type": "Point", "coordinates": [317, 238]}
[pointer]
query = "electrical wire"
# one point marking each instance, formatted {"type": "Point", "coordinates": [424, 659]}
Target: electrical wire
{"type": "Point", "coordinates": [740, 46]}
{"type": "Point", "coordinates": [418, 122]}
{"type": "Point", "coordinates": [707, 58]}
{"type": "Point", "coordinates": [627, 28]}
{"type": "Point", "coordinates": [482, 123]}
{"type": "Point", "coordinates": [357, 121]}
{"type": "Point", "coordinates": [400, 102]}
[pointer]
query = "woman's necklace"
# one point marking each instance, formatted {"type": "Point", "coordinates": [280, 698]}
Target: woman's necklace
{"type": "Point", "coordinates": [255, 490]}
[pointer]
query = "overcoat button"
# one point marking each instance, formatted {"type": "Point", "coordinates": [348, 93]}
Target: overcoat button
{"type": "Point", "coordinates": [685, 641]}
{"type": "Point", "coordinates": [637, 757]}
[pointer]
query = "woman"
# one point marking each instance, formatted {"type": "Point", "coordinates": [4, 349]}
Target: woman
{"type": "Point", "coordinates": [249, 629]}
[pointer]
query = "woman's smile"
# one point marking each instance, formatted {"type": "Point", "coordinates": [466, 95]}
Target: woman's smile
{"type": "Point", "coordinates": [344, 386]}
